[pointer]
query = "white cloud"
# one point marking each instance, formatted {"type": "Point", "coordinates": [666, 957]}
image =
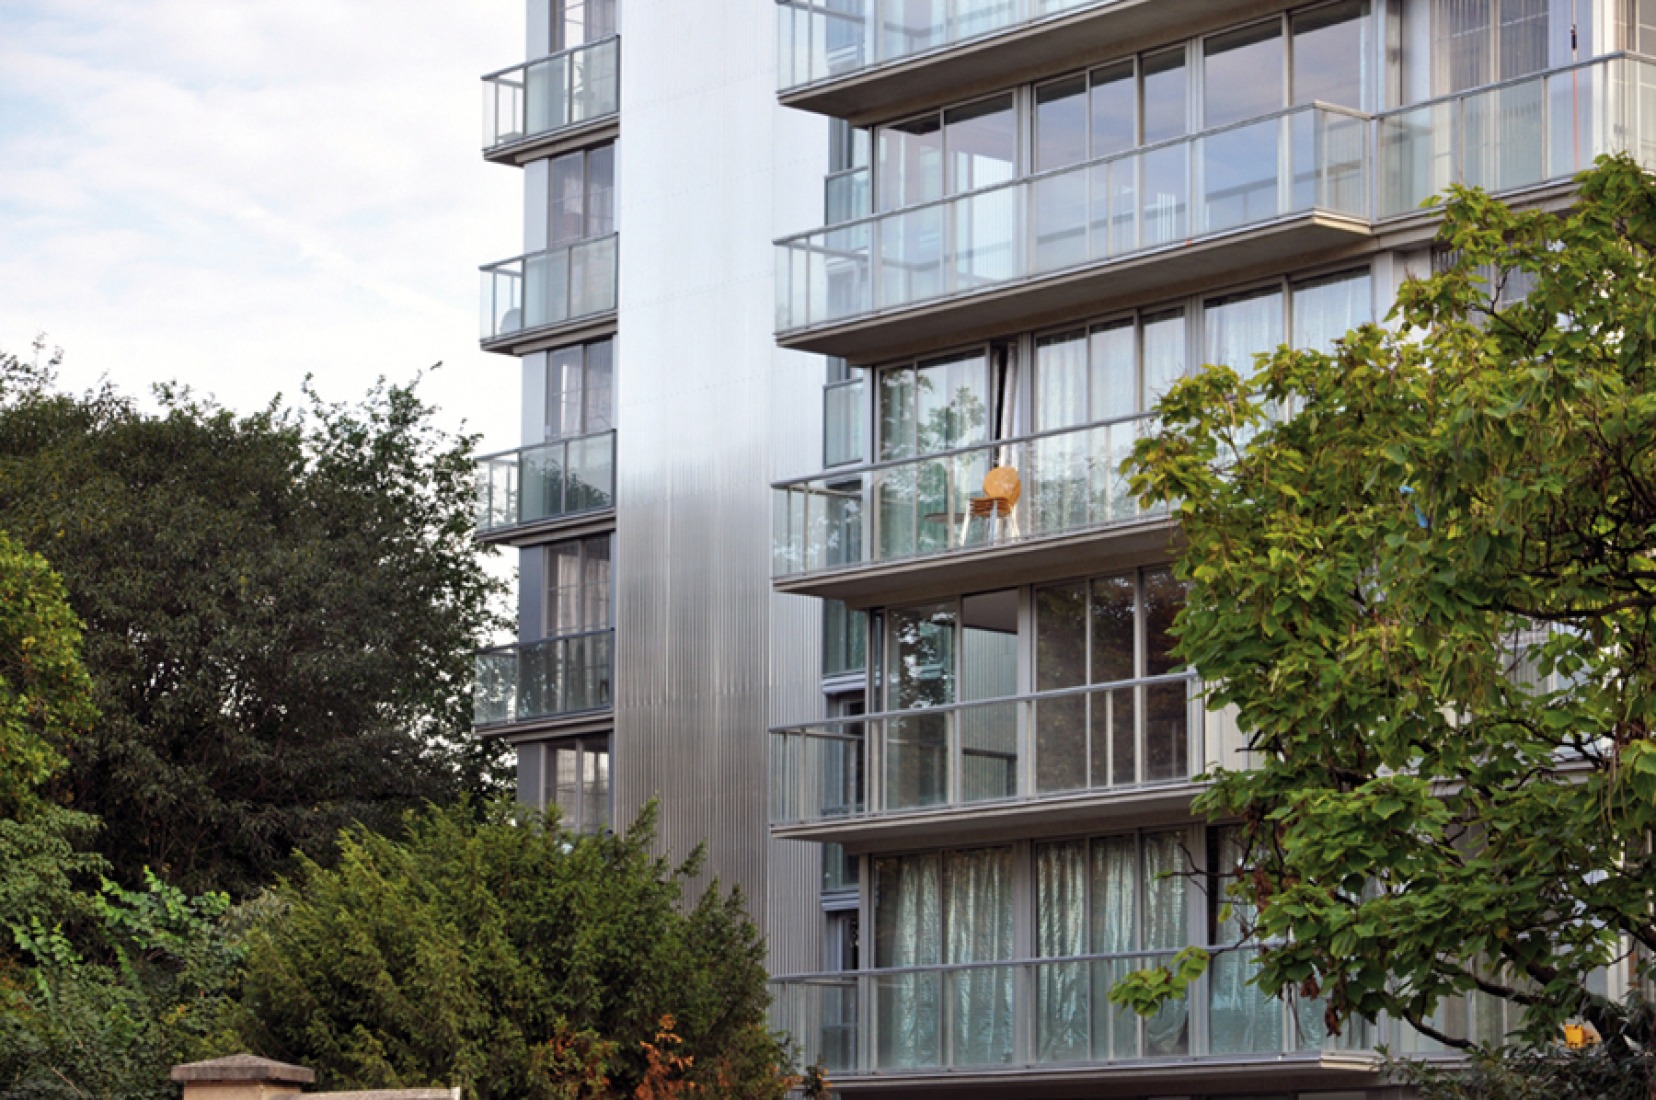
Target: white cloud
{"type": "Point", "coordinates": [235, 195]}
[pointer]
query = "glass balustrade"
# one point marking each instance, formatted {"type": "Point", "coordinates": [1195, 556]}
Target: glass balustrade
{"type": "Point", "coordinates": [562, 478]}
{"type": "Point", "coordinates": [1040, 1012]}
{"type": "Point", "coordinates": [563, 675]}
{"type": "Point", "coordinates": [549, 288]}
{"type": "Point", "coordinates": [1517, 134]}
{"type": "Point", "coordinates": [549, 94]}
{"type": "Point", "coordinates": [1070, 480]}
{"type": "Point", "coordinates": [1133, 733]}
{"type": "Point", "coordinates": [1312, 158]}
{"type": "Point", "coordinates": [825, 39]}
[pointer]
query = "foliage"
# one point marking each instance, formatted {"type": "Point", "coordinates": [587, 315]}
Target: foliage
{"type": "Point", "coordinates": [513, 958]}
{"type": "Point", "coordinates": [45, 695]}
{"type": "Point", "coordinates": [143, 985]}
{"type": "Point", "coordinates": [279, 610]}
{"type": "Point", "coordinates": [1430, 593]}
{"type": "Point", "coordinates": [1541, 1074]}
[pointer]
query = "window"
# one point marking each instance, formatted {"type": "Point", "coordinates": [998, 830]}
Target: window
{"type": "Point", "coordinates": [1111, 895]}
{"type": "Point", "coordinates": [576, 780]}
{"type": "Point", "coordinates": [944, 908]}
{"type": "Point", "coordinates": [577, 22]}
{"type": "Point", "coordinates": [950, 152]}
{"type": "Point", "coordinates": [580, 389]}
{"type": "Point", "coordinates": [583, 195]}
{"type": "Point", "coordinates": [1112, 633]}
{"type": "Point", "coordinates": [577, 586]}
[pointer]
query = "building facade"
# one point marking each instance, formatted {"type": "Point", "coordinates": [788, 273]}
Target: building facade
{"type": "Point", "coordinates": [861, 488]}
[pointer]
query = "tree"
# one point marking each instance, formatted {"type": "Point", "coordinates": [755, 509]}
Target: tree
{"type": "Point", "coordinates": [512, 958]}
{"type": "Point", "coordinates": [279, 614]}
{"type": "Point", "coordinates": [1423, 569]}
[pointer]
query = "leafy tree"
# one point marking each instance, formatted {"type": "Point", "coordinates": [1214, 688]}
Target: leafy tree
{"type": "Point", "coordinates": [279, 610]}
{"type": "Point", "coordinates": [1430, 593]}
{"type": "Point", "coordinates": [515, 959]}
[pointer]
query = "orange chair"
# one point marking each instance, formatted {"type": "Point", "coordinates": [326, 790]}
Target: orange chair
{"type": "Point", "coordinates": [1001, 489]}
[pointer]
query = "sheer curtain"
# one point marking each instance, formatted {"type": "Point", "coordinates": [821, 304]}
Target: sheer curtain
{"type": "Point", "coordinates": [1240, 1017]}
{"type": "Point", "coordinates": [942, 909]}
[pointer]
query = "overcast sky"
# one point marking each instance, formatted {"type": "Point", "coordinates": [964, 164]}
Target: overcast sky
{"type": "Point", "coordinates": [235, 193]}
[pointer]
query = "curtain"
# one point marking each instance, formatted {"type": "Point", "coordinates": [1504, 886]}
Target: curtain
{"type": "Point", "coordinates": [1326, 309]}
{"type": "Point", "coordinates": [978, 928]}
{"type": "Point", "coordinates": [1240, 1017]}
{"type": "Point", "coordinates": [1063, 1022]}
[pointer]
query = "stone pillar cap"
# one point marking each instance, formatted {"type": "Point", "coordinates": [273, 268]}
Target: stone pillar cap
{"type": "Point", "coordinates": [244, 1067]}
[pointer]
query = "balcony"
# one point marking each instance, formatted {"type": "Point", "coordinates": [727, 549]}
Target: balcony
{"type": "Point", "coordinates": [1051, 1016]}
{"type": "Point", "coordinates": [868, 59]}
{"type": "Point", "coordinates": [1307, 183]}
{"type": "Point", "coordinates": [547, 293]}
{"type": "Point", "coordinates": [548, 679]}
{"type": "Point", "coordinates": [530, 109]}
{"type": "Point", "coordinates": [520, 493]}
{"type": "Point", "coordinates": [1290, 184]}
{"type": "Point", "coordinates": [1141, 743]}
{"type": "Point", "coordinates": [838, 534]}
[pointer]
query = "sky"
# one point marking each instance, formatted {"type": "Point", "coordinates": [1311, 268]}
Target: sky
{"type": "Point", "coordinates": [234, 194]}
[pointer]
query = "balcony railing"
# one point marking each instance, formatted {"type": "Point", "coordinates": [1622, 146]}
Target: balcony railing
{"type": "Point", "coordinates": [1039, 1013]}
{"type": "Point", "coordinates": [544, 679]}
{"type": "Point", "coordinates": [1116, 736]}
{"type": "Point", "coordinates": [549, 288]}
{"type": "Point", "coordinates": [553, 93]}
{"type": "Point", "coordinates": [889, 511]}
{"type": "Point", "coordinates": [1516, 134]}
{"type": "Point", "coordinates": [1312, 158]}
{"type": "Point", "coordinates": [825, 39]}
{"type": "Point", "coordinates": [563, 478]}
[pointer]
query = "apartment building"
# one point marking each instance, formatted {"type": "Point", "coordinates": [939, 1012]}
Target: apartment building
{"type": "Point", "coordinates": [860, 488]}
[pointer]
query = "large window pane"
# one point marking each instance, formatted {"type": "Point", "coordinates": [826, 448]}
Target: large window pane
{"type": "Point", "coordinates": [981, 140]}
{"type": "Point", "coordinates": [1060, 124]}
{"type": "Point", "coordinates": [1242, 74]}
{"type": "Point", "coordinates": [910, 167]}
{"type": "Point", "coordinates": [1166, 96]}
{"type": "Point", "coordinates": [1333, 58]}
{"type": "Point", "coordinates": [1114, 109]}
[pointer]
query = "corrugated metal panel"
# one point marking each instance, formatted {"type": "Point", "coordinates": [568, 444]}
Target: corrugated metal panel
{"type": "Point", "coordinates": [706, 409]}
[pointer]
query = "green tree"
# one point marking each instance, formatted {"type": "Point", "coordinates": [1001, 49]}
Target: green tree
{"type": "Point", "coordinates": [279, 610]}
{"type": "Point", "coordinates": [510, 957]}
{"type": "Point", "coordinates": [1423, 569]}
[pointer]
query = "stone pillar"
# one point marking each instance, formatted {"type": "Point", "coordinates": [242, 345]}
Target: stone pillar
{"type": "Point", "coordinates": [241, 1077]}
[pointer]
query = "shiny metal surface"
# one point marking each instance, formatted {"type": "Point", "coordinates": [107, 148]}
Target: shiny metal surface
{"type": "Point", "coordinates": [709, 412]}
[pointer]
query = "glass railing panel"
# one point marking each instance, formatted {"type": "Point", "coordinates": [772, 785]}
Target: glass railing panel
{"type": "Point", "coordinates": [562, 675]}
{"type": "Point", "coordinates": [1241, 175]}
{"type": "Point", "coordinates": [821, 1015]}
{"type": "Point", "coordinates": [543, 96]}
{"type": "Point", "coordinates": [820, 771]}
{"type": "Point", "coordinates": [549, 288]}
{"type": "Point", "coordinates": [1309, 158]}
{"type": "Point", "coordinates": [560, 478]}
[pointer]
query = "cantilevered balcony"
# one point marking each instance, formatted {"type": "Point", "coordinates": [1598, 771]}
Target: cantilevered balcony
{"type": "Point", "coordinates": [1015, 1023]}
{"type": "Point", "coordinates": [839, 534]}
{"type": "Point", "coordinates": [1289, 184]}
{"type": "Point", "coordinates": [1312, 183]}
{"type": "Point", "coordinates": [860, 59]}
{"type": "Point", "coordinates": [532, 109]}
{"type": "Point", "coordinates": [521, 493]}
{"type": "Point", "coordinates": [545, 294]}
{"type": "Point", "coordinates": [549, 679]}
{"type": "Point", "coordinates": [1140, 742]}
